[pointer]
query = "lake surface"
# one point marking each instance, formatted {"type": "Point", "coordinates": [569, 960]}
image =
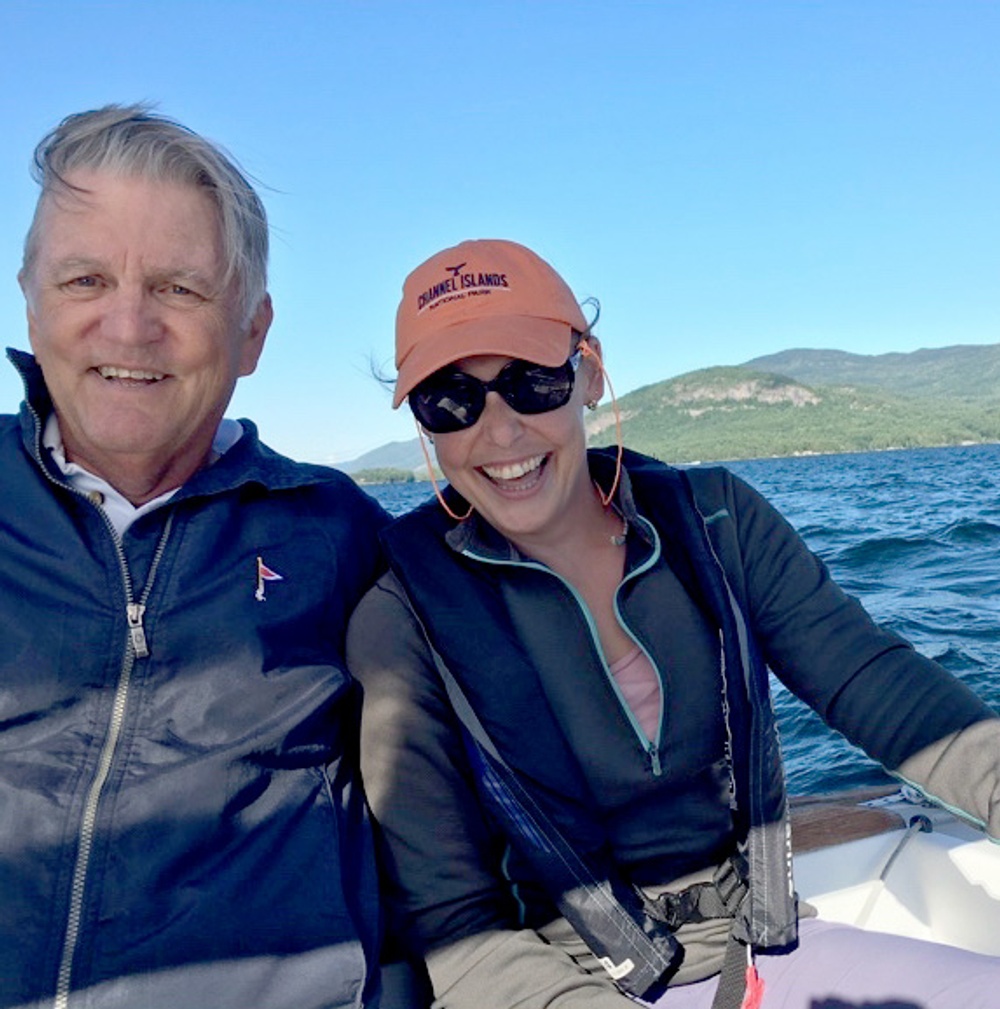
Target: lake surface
{"type": "Point", "coordinates": [915, 535]}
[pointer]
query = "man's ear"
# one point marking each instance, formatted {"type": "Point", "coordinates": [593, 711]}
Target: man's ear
{"type": "Point", "coordinates": [253, 340]}
{"type": "Point", "coordinates": [24, 282]}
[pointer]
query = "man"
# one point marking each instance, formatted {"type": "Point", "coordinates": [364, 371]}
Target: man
{"type": "Point", "coordinates": [180, 824]}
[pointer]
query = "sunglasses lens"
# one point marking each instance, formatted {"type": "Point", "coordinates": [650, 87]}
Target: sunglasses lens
{"type": "Point", "coordinates": [451, 400]}
{"type": "Point", "coordinates": [533, 388]}
{"type": "Point", "coordinates": [448, 401]}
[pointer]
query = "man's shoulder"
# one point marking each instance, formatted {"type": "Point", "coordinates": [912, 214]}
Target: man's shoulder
{"type": "Point", "coordinates": [270, 487]}
{"type": "Point", "coordinates": [251, 459]}
{"type": "Point", "coordinates": [331, 491]}
{"type": "Point", "coordinates": [323, 491]}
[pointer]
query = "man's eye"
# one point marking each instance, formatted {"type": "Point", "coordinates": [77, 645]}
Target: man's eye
{"type": "Point", "coordinates": [83, 282]}
{"type": "Point", "coordinates": [179, 292]}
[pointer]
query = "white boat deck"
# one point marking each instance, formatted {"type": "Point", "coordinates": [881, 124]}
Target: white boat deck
{"type": "Point", "coordinates": [943, 885]}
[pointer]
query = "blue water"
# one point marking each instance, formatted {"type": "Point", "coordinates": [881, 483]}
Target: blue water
{"type": "Point", "coordinates": [915, 535]}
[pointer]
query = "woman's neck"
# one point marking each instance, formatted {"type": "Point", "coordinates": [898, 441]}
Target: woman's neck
{"type": "Point", "coordinates": [593, 534]}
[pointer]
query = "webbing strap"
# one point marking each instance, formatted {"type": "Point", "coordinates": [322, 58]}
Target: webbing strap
{"type": "Point", "coordinates": [733, 977]}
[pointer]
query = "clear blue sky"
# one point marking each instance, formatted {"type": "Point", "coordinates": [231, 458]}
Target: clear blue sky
{"type": "Point", "coordinates": [729, 178]}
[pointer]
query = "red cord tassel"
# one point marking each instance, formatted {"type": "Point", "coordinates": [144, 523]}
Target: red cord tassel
{"type": "Point", "coordinates": [754, 996]}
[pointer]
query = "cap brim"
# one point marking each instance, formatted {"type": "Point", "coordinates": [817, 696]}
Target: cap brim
{"type": "Point", "coordinates": [541, 341]}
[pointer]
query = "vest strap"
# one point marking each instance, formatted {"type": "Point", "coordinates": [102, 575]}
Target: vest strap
{"type": "Point", "coordinates": [733, 976]}
{"type": "Point", "coordinates": [722, 897]}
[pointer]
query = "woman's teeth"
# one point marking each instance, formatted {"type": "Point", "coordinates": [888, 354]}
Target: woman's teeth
{"type": "Point", "coordinates": [514, 470]}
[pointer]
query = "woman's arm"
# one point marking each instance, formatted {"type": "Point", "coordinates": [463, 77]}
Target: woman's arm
{"type": "Point", "coordinates": [903, 709]}
{"type": "Point", "coordinates": [445, 890]}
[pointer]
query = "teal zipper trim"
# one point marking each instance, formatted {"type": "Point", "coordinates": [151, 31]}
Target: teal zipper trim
{"type": "Point", "coordinates": [650, 749]}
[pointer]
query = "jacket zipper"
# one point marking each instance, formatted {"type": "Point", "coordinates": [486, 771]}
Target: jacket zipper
{"type": "Point", "coordinates": [136, 647]}
{"type": "Point", "coordinates": [649, 747]}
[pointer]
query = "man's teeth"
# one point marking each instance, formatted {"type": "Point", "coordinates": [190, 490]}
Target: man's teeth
{"type": "Point", "coordinates": [514, 470]}
{"type": "Point", "coordinates": [110, 371]}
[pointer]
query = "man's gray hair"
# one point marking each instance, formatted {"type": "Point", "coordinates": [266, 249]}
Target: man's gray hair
{"type": "Point", "coordinates": [132, 140]}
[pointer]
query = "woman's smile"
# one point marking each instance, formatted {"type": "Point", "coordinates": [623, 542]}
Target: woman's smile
{"type": "Point", "coordinates": [519, 475]}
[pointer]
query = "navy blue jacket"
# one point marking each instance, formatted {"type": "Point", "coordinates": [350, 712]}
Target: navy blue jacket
{"type": "Point", "coordinates": [183, 827]}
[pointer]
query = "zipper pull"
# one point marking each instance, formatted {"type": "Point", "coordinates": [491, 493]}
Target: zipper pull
{"type": "Point", "coordinates": [133, 613]}
{"type": "Point", "coordinates": [654, 760]}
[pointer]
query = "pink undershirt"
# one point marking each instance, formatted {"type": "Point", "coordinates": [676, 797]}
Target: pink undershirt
{"type": "Point", "coordinates": [640, 687]}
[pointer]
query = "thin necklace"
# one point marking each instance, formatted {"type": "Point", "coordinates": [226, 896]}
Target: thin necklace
{"type": "Point", "coordinates": [616, 539]}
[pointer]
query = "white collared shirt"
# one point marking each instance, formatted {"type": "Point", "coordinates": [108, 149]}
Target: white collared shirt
{"type": "Point", "coordinates": [120, 511]}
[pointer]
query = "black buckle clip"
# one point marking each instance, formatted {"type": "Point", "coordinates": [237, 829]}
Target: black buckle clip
{"type": "Point", "coordinates": [730, 884]}
{"type": "Point", "coordinates": [721, 898]}
{"type": "Point", "coordinates": [675, 909]}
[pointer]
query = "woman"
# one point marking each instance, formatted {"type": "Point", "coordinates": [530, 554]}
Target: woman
{"type": "Point", "coordinates": [567, 737]}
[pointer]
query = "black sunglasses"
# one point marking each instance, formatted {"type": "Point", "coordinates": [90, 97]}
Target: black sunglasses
{"type": "Point", "coordinates": [451, 400]}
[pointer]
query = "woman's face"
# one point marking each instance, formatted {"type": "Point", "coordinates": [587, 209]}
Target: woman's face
{"type": "Point", "coordinates": [526, 474]}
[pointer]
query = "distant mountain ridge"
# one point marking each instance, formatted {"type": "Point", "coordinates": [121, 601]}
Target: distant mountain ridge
{"type": "Point", "coordinates": [736, 413]}
{"type": "Point", "coordinates": [965, 371]}
{"type": "Point", "coordinates": [394, 455]}
{"type": "Point", "coordinates": [797, 401]}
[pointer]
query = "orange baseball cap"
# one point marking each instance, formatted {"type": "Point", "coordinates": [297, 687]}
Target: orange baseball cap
{"type": "Point", "coordinates": [486, 296]}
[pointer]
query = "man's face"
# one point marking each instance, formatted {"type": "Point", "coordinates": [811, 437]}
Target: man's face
{"type": "Point", "coordinates": [139, 339]}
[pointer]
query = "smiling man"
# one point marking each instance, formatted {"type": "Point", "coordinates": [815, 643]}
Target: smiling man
{"type": "Point", "coordinates": [179, 818]}
{"type": "Point", "coordinates": [139, 333]}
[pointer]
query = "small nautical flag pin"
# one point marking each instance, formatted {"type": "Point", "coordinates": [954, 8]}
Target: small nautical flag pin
{"type": "Point", "coordinates": [265, 574]}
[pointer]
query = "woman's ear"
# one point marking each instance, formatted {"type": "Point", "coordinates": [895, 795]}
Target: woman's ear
{"type": "Point", "coordinates": [593, 362]}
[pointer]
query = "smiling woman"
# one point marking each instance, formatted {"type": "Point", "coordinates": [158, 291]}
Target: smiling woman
{"type": "Point", "coordinates": [568, 735]}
